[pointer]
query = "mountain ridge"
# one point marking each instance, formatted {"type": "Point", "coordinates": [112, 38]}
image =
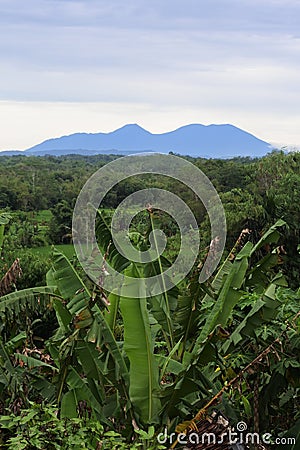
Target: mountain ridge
{"type": "Point", "coordinates": [196, 140]}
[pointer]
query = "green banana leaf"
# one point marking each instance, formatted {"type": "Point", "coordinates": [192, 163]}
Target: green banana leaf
{"type": "Point", "coordinates": [34, 362]}
{"type": "Point", "coordinates": [79, 391]}
{"type": "Point", "coordinates": [31, 299]}
{"type": "Point", "coordinates": [111, 313]}
{"type": "Point", "coordinates": [271, 236]}
{"type": "Point", "coordinates": [139, 347]}
{"type": "Point", "coordinates": [70, 284]}
{"type": "Point", "coordinates": [82, 336]}
{"type": "Point", "coordinates": [264, 309]}
{"type": "Point", "coordinates": [100, 332]}
{"type": "Point", "coordinates": [106, 244]}
{"type": "Point", "coordinates": [228, 295]}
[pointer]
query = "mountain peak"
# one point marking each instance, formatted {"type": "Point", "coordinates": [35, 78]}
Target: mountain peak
{"type": "Point", "coordinates": [131, 128]}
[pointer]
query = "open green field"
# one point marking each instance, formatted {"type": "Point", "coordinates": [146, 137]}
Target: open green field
{"type": "Point", "coordinates": [43, 217]}
{"type": "Point", "coordinates": [66, 249]}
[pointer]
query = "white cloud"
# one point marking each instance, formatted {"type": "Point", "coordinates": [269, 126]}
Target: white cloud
{"type": "Point", "coordinates": [232, 61]}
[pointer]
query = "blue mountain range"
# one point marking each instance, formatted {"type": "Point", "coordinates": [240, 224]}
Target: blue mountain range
{"type": "Point", "coordinates": [207, 141]}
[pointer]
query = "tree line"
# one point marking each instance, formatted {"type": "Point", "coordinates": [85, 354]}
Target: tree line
{"type": "Point", "coordinates": [255, 193]}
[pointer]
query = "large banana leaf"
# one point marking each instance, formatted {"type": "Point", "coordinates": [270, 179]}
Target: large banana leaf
{"type": "Point", "coordinates": [271, 236]}
{"type": "Point", "coordinates": [6, 366]}
{"type": "Point", "coordinates": [33, 299]}
{"type": "Point", "coordinates": [224, 293]}
{"type": "Point", "coordinates": [114, 371]}
{"type": "Point", "coordinates": [100, 331]}
{"type": "Point", "coordinates": [162, 306]}
{"type": "Point", "coordinates": [228, 295]}
{"type": "Point", "coordinates": [11, 376]}
{"type": "Point", "coordinates": [63, 316]}
{"type": "Point", "coordinates": [70, 284]}
{"type": "Point", "coordinates": [190, 383]}
{"type": "Point", "coordinates": [187, 314]}
{"type": "Point", "coordinates": [84, 339]}
{"type": "Point", "coordinates": [230, 292]}
{"type": "Point", "coordinates": [105, 242]}
{"type": "Point", "coordinates": [111, 313]}
{"type": "Point", "coordinates": [103, 378]}
{"type": "Point", "coordinates": [138, 345]}
{"type": "Point", "coordinates": [263, 310]}
{"type": "Point", "coordinates": [79, 391]}
{"type": "Point", "coordinates": [34, 362]}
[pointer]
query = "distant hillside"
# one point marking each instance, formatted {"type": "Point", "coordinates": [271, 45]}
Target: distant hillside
{"type": "Point", "coordinates": [211, 141]}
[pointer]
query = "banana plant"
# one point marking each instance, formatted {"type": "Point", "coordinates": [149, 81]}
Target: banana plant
{"type": "Point", "coordinates": [87, 344]}
{"type": "Point", "coordinates": [204, 315]}
{"type": "Point", "coordinates": [83, 343]}
{"type": "Point", "coordinates": [144, 360]}
{"type": "Point", "coordinates": [152, 382]}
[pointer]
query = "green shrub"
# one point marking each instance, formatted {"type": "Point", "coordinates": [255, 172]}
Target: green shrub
{"type": "Point", "coordinates": [40, 428]}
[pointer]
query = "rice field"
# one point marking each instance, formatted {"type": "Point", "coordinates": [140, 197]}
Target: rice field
{"type": "Point", "coordinates": [66, 249]}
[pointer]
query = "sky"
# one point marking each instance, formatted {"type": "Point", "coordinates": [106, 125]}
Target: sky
{"type": "Point", "coordinates": [71, 66]}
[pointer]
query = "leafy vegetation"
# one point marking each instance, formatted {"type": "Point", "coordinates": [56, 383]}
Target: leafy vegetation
{"type": "Point", "coordinates": [84, 369]}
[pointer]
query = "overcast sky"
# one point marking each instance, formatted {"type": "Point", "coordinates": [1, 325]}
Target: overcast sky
{"type": "Point", "coordinates": [72, 65]}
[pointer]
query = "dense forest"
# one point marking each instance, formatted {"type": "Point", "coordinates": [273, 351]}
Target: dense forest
{"type": "Point", "coordinates": [82, 368]}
